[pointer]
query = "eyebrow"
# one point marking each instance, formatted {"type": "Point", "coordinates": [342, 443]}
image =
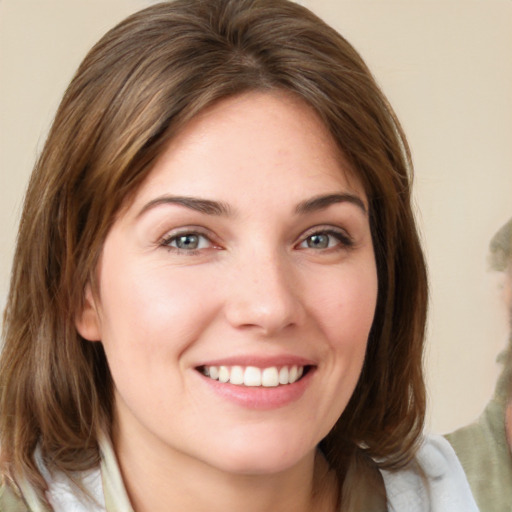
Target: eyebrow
{"type": "Point", "coordinates": [217, 208]}
{"type": "Point", "coordinates": [324, 201]}
{"type": "Point", "coordinates": [205, 206]}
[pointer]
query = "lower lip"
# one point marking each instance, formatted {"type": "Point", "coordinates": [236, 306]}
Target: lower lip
{"type": "Point", "coordinates": [261, 398]}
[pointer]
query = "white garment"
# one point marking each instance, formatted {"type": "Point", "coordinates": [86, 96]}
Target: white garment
{"type": "Point", "coordinates": [63, 498]}
{"type": "Point", "coordinates": [442, 488]}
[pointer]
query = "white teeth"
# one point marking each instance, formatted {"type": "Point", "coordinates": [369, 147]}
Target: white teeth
{"type": "Point", "coordinates": [237, 375]}
{"type": "Point", "coordinates": [293, 374]}
{"type": "Point", "coordinates": [270, 377]}
{"type": "Point", "coordinates": [223, 374]}
{"type": "Point", "coordinates": [283, 375]}
{"type": "Point", "coordinates": [252, 376]}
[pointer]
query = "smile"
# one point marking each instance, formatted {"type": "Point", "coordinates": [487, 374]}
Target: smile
{"type": "Point", "coordinates": [251, 376]}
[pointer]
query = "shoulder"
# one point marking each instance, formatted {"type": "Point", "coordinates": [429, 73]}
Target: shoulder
{"type": "Point", "coordinates": [483, 444]}
{"type": "Point", "coordinates": [433, 482]}
{"type": "Point", "coordinates": [475, 445]}
{"type": "Point", "coordinates": [484, 440]}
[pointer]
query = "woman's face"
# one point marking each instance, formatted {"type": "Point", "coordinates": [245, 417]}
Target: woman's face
{"type": "Point", "coordinates": [237, 291]}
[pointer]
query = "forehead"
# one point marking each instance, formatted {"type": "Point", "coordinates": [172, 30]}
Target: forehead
{"type": "Point", "coordinates": [258, 139]}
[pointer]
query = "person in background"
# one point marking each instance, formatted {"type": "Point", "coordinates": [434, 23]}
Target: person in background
{"type": "Point", "coordinates": [485, 446]}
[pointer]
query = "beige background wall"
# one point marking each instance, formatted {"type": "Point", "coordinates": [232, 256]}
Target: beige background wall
{"type": "Point", "coordinates": [446, 67]}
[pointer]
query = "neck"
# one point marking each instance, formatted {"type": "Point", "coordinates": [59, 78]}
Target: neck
{"type": "Point", "coordinates": [162, 480]}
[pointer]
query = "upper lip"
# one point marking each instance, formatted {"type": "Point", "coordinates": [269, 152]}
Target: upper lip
{"type": "Point", "coordinates": [259, 361]}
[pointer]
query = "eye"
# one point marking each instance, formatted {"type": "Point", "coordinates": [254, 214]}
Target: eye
{"type": "Point", "coordinates": [326, 239]}
{"type": "Point", "coordinates": [187, 242]}
{"type": "Point", "coordinates": [319, 241]}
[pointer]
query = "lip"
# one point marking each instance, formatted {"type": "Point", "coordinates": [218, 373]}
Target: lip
{"type": "Point", "coordinates": [259, 398]}
{"type": "Point", "coordinates": [259, 361]}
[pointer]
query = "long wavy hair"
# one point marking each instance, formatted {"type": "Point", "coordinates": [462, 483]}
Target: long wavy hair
{"type": "Point", "coordinates": [137, 87]}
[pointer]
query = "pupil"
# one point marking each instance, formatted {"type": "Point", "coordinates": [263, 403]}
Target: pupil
{"type": "Point", "coordinates": [318, 241]}
{"type": "Point", "coordinates": [187, 242]}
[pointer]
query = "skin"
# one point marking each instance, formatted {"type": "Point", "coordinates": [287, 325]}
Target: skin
{"type": "Point", "coordinates": [258, 287]}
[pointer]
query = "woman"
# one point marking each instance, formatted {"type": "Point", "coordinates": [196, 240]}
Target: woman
{"type": "Point", "coordinates": [218, 298]}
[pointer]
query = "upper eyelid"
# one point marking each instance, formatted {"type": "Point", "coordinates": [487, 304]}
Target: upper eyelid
{"type": "Point", "coordinates": [345, 237]}
{"type": "Point", "coordinates": [166, 240]}
{"type": "Point", "coordinates": [325, 228]}
{"type": "Point", "coordinates": [214, 240]}
{"type": "Point", "coordinates": [187, 230]}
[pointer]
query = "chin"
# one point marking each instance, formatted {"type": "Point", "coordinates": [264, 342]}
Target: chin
{"type": "Point", "coordinates": [253, 458]}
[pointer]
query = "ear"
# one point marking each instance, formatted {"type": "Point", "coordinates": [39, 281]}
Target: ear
{"type": "Point", "coordinates": [87, 321]}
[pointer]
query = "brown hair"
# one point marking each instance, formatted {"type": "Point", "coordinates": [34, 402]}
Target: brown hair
{"type": "Point", "coordinates": [135, 89]}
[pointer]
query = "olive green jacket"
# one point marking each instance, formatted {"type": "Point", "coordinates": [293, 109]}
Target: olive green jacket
{"type": "Point", "coordinates": [484, 453]}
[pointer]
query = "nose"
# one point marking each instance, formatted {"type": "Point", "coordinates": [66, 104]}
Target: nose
{"type": "Point", "coordinates": [264, 295]}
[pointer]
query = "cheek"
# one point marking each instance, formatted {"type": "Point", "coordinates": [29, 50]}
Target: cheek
{"type": "Point", "coordinates": [153, 307]}
{"type": "Point", "coordinates": [346, 307]}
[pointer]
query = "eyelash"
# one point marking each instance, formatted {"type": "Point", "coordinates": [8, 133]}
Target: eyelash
{"type": "Point", "coordinates": [167, 240]}
{"type": "Point", "coordinates": [343, 239]}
